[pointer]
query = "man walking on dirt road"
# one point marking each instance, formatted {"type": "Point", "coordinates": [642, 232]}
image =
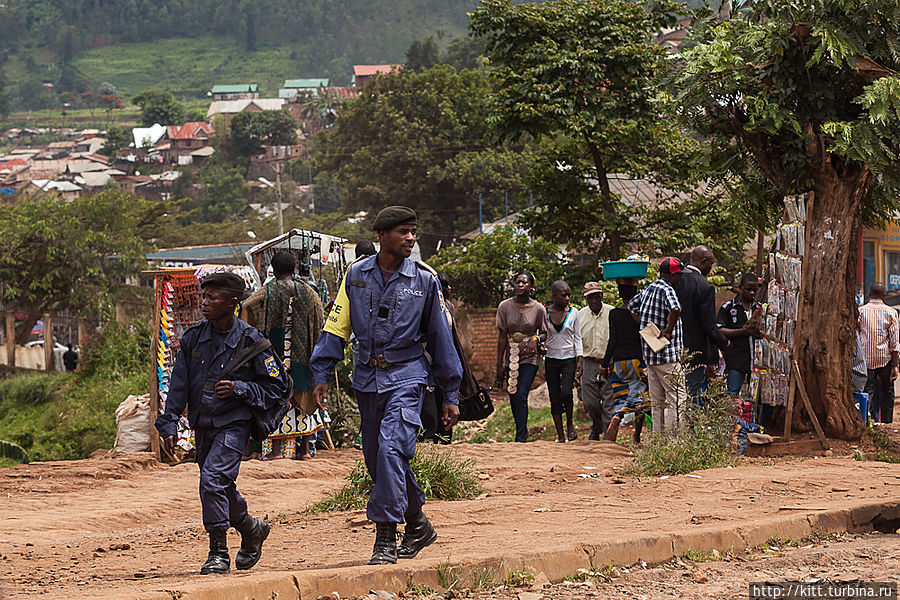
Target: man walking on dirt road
{"type": "Point", "coordinates": [219, 411]}
{"type": "Point", "coordinates": [396, 311]}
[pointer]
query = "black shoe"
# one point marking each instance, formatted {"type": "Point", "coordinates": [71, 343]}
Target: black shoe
{"type": "Point", "coordinates": [218, 560]}
{"type": "Point", "coordinates": [253, 533]}
{"type": "Point", "coordinates": [385, 550]}
{"type": "Point", "coordinates": [594, 436]}
{"type": "Point", "coordinates": [418, 534]}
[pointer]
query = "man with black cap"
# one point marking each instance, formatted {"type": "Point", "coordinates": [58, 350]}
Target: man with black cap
{"type": "Point", "coordinates": [395, 309]}
{"type": "Point", "coordinates": [219, 413]}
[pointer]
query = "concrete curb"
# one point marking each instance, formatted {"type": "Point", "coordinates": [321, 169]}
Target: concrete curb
{"type": "Point", "coordinates": [556, 563]}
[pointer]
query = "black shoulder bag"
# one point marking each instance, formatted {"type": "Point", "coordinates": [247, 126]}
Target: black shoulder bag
{"type": "Point", "coordinates": [262, 421]}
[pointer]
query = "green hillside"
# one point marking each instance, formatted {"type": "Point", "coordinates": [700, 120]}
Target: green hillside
{"type": "Point", "coordinates": [186, 46]}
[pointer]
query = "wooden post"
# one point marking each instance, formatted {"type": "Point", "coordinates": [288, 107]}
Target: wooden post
{"type": "Point", "coordinates": [809, 410]}
{"type": "Point", "coordinates": [48, 343]}
{"type": "Point", "coordinates": [154, 377]}
{"type": "Point", "coordinates": [10, 338]}
{"type": "Point", "coordinates": [120, 312]}
{"type": "Point", "coordinates": [789, 409]}
{"type": "Point", "coordinates": [82, 330]}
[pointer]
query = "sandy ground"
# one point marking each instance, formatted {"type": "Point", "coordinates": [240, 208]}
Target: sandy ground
{"type": "Point", "coordinates": [836, 559]}
{"type": "Point", "coordinates": [103, 526]}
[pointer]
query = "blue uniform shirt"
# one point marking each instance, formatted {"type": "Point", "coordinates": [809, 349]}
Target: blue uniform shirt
{"type": "Point", "coordinates": [397, 321]}
{"type": "Point", "coordinates": [257, 383]}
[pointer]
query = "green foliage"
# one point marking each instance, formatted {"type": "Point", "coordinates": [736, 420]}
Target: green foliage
{"type": "Point", "coordinates": [581, 74]}
{"type": "Point", "coordinates": [250, 131]}
{"type": "Point", "coordinates": [58, 255]}
{"type": "Point", "coordinates": [422, 54]}
{"type": "Point", "coordinates": [440, 473]}
{"type": "Point", "coordinates": [226, 194]}
{"type": "Point", "coordinates": [72, 418]}
{"type": "Point", "coordinates": [4, 96]}
{"type": "Point", "coordinates": [159, 107]}
{"type": "Point", "coordinates": [419, 138]}
{"type": "Point", "coordinates": [116, 139]}
{"type": "Point", "coordinates": [116, 350]}
{"type": "Point", "coordinates": [701, 439]}
{"type": "Point", "coordinates": [481, 272]}
{"type": "Point", "coordinates": [13, 452]}
{"type": "Point", "coordinates": [808, 92]}
{"type": "Point", "coordinates": [186, 47]}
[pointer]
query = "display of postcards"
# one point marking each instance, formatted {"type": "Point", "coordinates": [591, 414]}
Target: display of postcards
{"type": "Point", "coordinates": [754, 384]}
{"type": "Point", "coordinates": [788, 271]}
{"type": "Point", "coordinates": [795, 208]}
{"type": "Point", "coordinates": [775, 298]}
{"type": "Point", "coordinates": [791, 303]}
{"type": "Point", "coordinates": [771, 326]}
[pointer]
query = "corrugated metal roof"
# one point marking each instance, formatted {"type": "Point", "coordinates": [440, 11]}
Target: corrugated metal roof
{"type": "Point", "coordinates": [201, 253]}
{"type": "Point", "coordinates": [363, 70]}
{"type": "Point", "coordinates": [236, 106]}
{"type": "Point", "coordinates": [306, 83]}
{"type": "Point", "coordinates": [236, 88]}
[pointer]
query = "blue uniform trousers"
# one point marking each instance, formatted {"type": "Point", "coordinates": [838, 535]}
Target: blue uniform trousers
{"type": "Point", "coordinates": [219, 452]}
{"type": "Point", "coordinates": [390, 423]}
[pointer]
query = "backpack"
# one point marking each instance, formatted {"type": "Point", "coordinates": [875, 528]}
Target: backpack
{"type": "Point", "coordinates": [263, 422]}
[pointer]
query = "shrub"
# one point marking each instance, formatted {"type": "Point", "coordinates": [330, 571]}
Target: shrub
{"type": "Point", "coordinates": [701, 439]}
{"type": "Point", "coordinates": [116, 350]}
{"type": "Point", "coordinates": [440, 473]}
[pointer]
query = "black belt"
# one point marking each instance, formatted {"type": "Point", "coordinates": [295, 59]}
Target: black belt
{"type": "Point", "coordinates": [380, 362]}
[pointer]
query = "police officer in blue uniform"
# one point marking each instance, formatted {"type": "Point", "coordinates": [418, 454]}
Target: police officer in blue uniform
{"type": "Point", "coordinates": [219, 413]}
{"type": "Point", "coordinates": [394, 308]}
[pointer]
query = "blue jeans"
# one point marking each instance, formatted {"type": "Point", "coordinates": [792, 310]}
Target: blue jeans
{"type": "Point", "coordinates": [518, 402]}
{"type": "Point", "coordinates": [696, 384]}
{"type": "Point", "coordinates": [734, 380]}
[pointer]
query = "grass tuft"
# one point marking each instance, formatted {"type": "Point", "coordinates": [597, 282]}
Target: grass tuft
{"type": "Point", "coordinates": [440, 473]}
{"type": "Point", "coordinates": [701, 439]}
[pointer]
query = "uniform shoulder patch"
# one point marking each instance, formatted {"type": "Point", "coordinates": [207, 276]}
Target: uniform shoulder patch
{"type": "Point", "coordinates": [271, 366]}
{"type": "Point", "coordinates": [426, 267]}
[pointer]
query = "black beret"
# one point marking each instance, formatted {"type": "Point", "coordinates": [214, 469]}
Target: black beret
{"type": "Point", "coordinates": [393, 216]}
{"type": "Point", "coordinates": [225, 281]}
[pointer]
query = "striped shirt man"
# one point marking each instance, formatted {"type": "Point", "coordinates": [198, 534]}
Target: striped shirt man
{"type": "Point", "coordinates": [878, 324]}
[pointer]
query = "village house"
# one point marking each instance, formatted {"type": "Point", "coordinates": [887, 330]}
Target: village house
{"type": "Point", "coordinates": [179, 142]}
{"type": "Point", "coordinates": [293, 87]}
{"type": "Point", "coordinates": [240, 91]}
{"type": "Point", "coordinates": [229, 108]}
{"type": "Point", "coordinates": [363, 73]}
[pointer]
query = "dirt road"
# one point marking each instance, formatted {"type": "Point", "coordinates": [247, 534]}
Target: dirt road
{"type": "Point", "coordinates": [107, 526]}
{"type": "Point", "coordinates": [844, 558]}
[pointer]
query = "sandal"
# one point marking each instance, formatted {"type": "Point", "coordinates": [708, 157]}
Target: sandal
{"type": "Point", "coordinates": [573, 435]}
{"type": "Point", "coordinates": [559, 441]}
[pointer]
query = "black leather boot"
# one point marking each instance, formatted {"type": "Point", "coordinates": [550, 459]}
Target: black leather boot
{"type": "Point", "coordinates": [253, 533]}
{"type": "Point", "coordinates": [417, 534]}
{"type": "Point", "coordinates": [385, 550]}
{"type": "Point", "coordinates": [218, 560]}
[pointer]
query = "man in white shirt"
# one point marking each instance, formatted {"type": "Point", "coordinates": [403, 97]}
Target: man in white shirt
{"type": "Point", "coordinates": [596, 391]}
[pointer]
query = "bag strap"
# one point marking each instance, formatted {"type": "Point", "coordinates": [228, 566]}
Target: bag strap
{"type": "Point", "coordinates": [244, 355]}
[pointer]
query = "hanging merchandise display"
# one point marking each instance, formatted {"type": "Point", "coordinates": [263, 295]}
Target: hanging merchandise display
{"type": "Point", "coordinates": [177, 308]}
{"type": "Point", "coordinates": [771, 377]}
{"type": "Point", "coordinates": [321, 263]}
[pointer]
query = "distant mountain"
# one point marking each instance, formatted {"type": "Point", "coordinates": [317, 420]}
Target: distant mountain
{"type": "Point", "coordinates": [189, 45]}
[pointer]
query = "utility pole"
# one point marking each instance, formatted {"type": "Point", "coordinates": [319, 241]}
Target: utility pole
{"type": "Point", "coordinates": [480, 218]}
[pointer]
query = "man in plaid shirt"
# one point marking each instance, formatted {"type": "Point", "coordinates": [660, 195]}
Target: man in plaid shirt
{"type": "Point", "coordinates": [658, 304]}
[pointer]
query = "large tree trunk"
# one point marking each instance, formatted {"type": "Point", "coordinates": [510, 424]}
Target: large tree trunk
{"type": "Point", "coordinates": [825, 338]}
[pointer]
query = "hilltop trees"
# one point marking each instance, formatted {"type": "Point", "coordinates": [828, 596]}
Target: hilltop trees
{"type": "Point", "coordinates": [159, 107]}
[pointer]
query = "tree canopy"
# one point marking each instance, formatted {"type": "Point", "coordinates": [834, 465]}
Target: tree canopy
{"type": "Point", "coordinates": [420, 138]}
{"type": "Point", "coordinates": [159, 107]}
{"type": "Point", "coordinates": [581, 74]}
{"type": "Point", "coordinates": [70, 255]}
{"type": "Point", "coordinates": [250, 131]}
{"type": "Point", "coordinates": [808, 94]}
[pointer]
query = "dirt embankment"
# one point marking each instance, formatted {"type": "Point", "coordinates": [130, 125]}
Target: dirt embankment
{"type": "Point", "coordinates": [105, 527]}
